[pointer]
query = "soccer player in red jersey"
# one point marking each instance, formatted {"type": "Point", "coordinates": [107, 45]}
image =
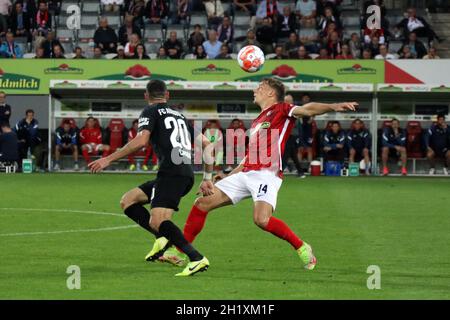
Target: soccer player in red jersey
{"type": "Point", "coordinates": [91, 141]}
{"type": "Point", "coordinates": [256, 177]}
{"type": "Point", "coordinates": [147, 150]}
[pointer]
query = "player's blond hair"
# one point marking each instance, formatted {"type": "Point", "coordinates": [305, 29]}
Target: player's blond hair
{"type": "Point", "coordinates": [277, 86]}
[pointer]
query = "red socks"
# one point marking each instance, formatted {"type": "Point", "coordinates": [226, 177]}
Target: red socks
{"type": "Point", "coordinates": [280, 229]}
{"type": "Point", "coordinates": [194, 223]}
{"type": "Point", "coordinates": [86, 156]}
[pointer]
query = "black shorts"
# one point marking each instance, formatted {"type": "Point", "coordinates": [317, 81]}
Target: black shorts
{"type": "Point", "coordinates": [439, 152]}
{"type": "Point", "coordinates": [167, 191]}
{"type": "Point", "coordinates": [304, 142]}
{"type": "Point", "coordinates": [359, 153]}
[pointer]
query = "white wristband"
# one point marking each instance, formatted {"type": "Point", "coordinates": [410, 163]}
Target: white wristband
{"type": "Point", "coordinates": [207, 176]}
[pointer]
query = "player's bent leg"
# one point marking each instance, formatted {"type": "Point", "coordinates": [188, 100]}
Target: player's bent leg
{"type": "Point", "coordinates": [262, 216]}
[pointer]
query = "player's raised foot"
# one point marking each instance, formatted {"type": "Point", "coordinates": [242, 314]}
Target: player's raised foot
{"type": "Point", "coordinates": [306, 255]}
{"type": "Point", "coordinates": [144, 167]}
{"type": "Point", "coordinates": [404, 171]}
{"type": "Point", "coordinates": [158, 249]}
{"type": "Point", "coordinates": [194, 267]}
{"type": "Point", "coordinates": [432, 171]}
{"type": "Point", "coordinates": [132, 167]}
{"type": "Point", "coordinates": [445, 171]}
{"type": "Point", "coordinates": [385, 171]}
{"type": "Point", "coordinates": [175, 257]}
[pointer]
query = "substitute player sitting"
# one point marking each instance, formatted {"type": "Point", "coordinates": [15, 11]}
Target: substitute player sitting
{"type": "Point", "coordinates": [438, 144]}
{"type": "Point", "coordinates": [91, 141]}
{"type": "Point", "coordinates": [359, 142]}
{"type": "Point", "coordinates": [147, 150]}
{"type": "Point", "coordinates": [257, 178]}
{"type": "Point", "coordinates": [66, 143]}
{"type": "Point", "coordinates": [394, 145]}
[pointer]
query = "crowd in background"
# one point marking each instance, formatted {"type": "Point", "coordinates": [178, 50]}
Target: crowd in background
{"type": "Point", "coordinates": [310, 29]}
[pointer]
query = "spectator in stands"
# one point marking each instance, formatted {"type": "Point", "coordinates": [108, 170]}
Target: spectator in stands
{"type": "Point", "coordinates": [200, 53]}
{"type": "Point", "coordinates": [147, 151]}
{"type": "Point", "coordinates": [105, 37]}
{"type": "Point", "coordinates": [393, 144]}
{"type": "Point", "coordinates": [309, 37]}
{"type": "Point", "coordinates": [355, 46]}
{"type": "Point", "coordinates": [128, 29]}
{"type": "Point", "coordinates": [418, 25]}
{"type": "Point", "coordinates": [162, 54]}
{"type": "Point", "coordinates": [384, 53]}
{"type": "Point", "coordinates": [98, 54]}
{"type": "Point", "coordinates": [11, 49]}
{"type": "Point", "coordinates": [225, 31]}
{"type": "Point", "coordinates": [286, 23]}
{"type": "Point", "coordinates": [214, 12]}
{"type": "Point", "coordinates": [359, 142]}
{"type": "Point", "coordinates": [173, 46]}
{"type": "Point", "coordinates": [111, 5]}
{"type": "Point", "coordinates": [91, 140]}
{"type": "Point", "coordinates": [291, 147]}
{"type": "Point", "coordinates": [437, 142]}
{"type": "Point", "coordinates": [78, 53]}
{"type": "Point", "coordinates": [248, 6]}
{"type": "Point", "coordinates": [40, 53]}
{"type": "Point", "coordinates": [49, 43]}
{"type": "Point", "coordinates": [9, 144]}
{"type": "Point", "coordinates": [57, 52]}
{"type": "Point", "coordinates": [136, 8]}
{"type": "Point", "coordinates": [323, 54]}
{"type": "Point", "coordinates": [323, 4]}
{"type": "Point", "coordinates": [27, 131]}
{"type": "Point", "coordinates": [251, 39]}
{"type": "Point", "coordinates": [416, 47]}
{"type": "Point", "coordinates": [140, 53]}
{"type": "Point", "coordinates": [267, 9]}
{"type": "Point", "coordinates": [345, 53]}
{"type": "Point", "coordinates": [279, 53]}
{"type": "Point", "coordinates": [328, 18]}
{"type": "Point", "coordinates": [5, 109]}
{"type": "Point", "coordinates": [212, 46]}
{"type": "Point", "coordinates": [334, 45]}
{"type": "Point", "coordinates": [120, 53]}
{"type": "Point", "coordinates": [43, 19]}
{"type": "Point", "coordinates": [367, 54]}
{"type": "Point", "coordinates": [306, 136]}
{"type": "Point", "coordinates": [292, 45]}
{"type": "Point", "coordinates": [374, 46]}
{"type": "Point", "coordinates": [29, 6]}
{"type": "Point", "coordinates": [182, 12]}
{"type": "Point", "coordinates": [431, 54]}
{"type": "Point", "coordinates": [405, 53]}
{"type": "Point", "coordinates": [265, 35]}
{"type": "Point", "coordinates": [224, 52]}
{"type": "Point", "coordinates": [302, 53]}
{"type": "Point", "coordinates": [130, 47]}
{"type": "Point", "coordinates": [196, 38]}
{"type": "Point", "coordinates": [369, 34]}
{"type": "Point", "coordinates": [20, 22]}
{"type": "Point", "coordinates": [157, 11]}
{"type": "Point", "coordinates": [5, 9]}
{"type": "Point", "coordinates": [334, 142]}
{"type": "Point", "coordinates": [306, 12]}
{"type": "Point", "coordinates": [66, 143]}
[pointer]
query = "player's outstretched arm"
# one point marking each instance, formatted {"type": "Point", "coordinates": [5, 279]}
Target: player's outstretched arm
{"type": "Point", "coordinates": [312, 109]}
{"type": "Point", "coordinates": [134, 145]}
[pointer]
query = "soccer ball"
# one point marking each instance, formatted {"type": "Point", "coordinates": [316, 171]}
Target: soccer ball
{"type": "Point", "coordinates": [250, 58]}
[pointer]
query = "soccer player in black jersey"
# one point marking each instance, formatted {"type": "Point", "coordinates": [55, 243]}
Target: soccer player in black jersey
{"type": "Point", "coordinates": [168, 132]}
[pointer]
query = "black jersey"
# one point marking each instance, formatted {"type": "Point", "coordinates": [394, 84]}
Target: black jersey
{"type": "Point", "coordinates": [170, 138]}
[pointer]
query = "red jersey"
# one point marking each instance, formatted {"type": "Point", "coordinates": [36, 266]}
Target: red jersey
{"type": "Point", "coordinates": [93, 135]}
{"type": "Point", "coordinates": [132, 133]}
{"type": "Point", "coordinates": [268, 135]}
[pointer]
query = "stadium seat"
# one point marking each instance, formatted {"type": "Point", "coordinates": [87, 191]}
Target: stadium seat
{"type": "Point", "coordinates": [199, 18]}
{"type": "Point", "coordinates": [65, 33]}
{"type": "Point", "coordinates": [413, 140]}
{"type": "Point", "coordinates": [66, 4]}
{"type": "Point", "coordinates": [29, 55]}
{"type": "Point", "coordinates": [241, 19]}
{"type": "Point", "coordinates": [86, 33]}
{"type": "Point", "coordinates": [89, 20]}
{"type": "Point", "coordinates": [90, 6]}
{"type": "Point", "coordinates": [189, 56]}
{"type": "Point", "coordinates": [116, 131]}
{"type": "Point", "coordinates": [152, 45]}
{"type": "Point", "coordinates": [350, 20]}
{"type": "Point", "coordinates": [240, 33]}
{"type": "Point", "coordinates": [153, 31]}
{"type": "Point", "coordinates": [395, 45]}
{"type": "Point", "coordinates": [67, 46]}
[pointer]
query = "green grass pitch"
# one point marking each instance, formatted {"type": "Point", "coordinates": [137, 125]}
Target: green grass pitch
{"type": "Point", "coordinates": [401, 225]}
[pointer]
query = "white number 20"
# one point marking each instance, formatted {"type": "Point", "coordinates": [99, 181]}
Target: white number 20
{"type": "Point", "coordinates": [179, 130]}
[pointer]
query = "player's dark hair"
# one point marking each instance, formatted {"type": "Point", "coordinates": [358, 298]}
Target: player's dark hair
{"type": "Point", "coordinates": [277, 86]}
{"type": "Point", "coordinates": [441, 116]}
{"type": "Point", "coordinates": [66, 122]}
{"type": "Point", "coordinates": [135, 121]}
{"type": "Point", "coordinates": [4, 124]}
{"type": "Point", "coordinates": [156, 89]}
{"type": "Point", "coordinates": [395, 119]}
{"type": "Point", "coordinates": [3, 92]}
{"type": "Point", "coordinates": [29, 111]}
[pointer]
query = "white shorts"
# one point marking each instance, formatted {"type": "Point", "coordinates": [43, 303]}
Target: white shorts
{"type": "Point", "coordinates": [94, 147]}
{"type": "Point", "coordinates": [261, 185]}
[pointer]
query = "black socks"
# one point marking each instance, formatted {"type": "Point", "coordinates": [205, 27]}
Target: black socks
{"type": "Point", "coordinates": [141, 216]}
{"type": "Point", "coordinates": [169, 230]}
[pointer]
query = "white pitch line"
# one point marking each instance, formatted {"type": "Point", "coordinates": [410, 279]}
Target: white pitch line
{"type": "Point", "coordinates": [64, 231]}
{"type": "Point", "coordinates": [65, 211]}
